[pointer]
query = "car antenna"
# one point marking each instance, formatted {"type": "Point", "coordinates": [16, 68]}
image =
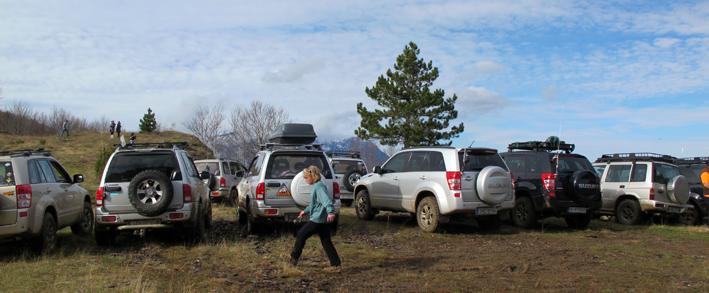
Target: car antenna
{"type": "Point", "coordinates": [465, 156]}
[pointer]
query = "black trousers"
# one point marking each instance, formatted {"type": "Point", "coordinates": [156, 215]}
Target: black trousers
{"type": "Point", "coordinates": [323, 231]}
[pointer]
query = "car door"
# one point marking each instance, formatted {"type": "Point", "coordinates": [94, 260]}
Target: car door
{"type": "Point", "coordinates": [415, 174]}
{"type": "Point", "coordinates": [615, 184]}
{"type": "Point", "coordinates": [57, 188]}
{"type": "Point", "coordinates": [385, 188]}
{"type": "Point", "coordinates": [247, 186]}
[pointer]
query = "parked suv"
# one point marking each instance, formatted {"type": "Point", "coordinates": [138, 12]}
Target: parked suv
{"type": "Point", "coordinates": [349, 168]}
{"type": "Point", "coordinates": [39, 198]}
{"type": "Point", "coordinates": [274, 189]}
{"type": "Point", "coordinates": [550, 181]}
{"type": "Point", "coordinates": [437, 183]}
{"type": "Point", "coordinates": [151, 186]}
{"type": "Point", "coordinates": [227, 175]}
{"type": "Point", "coordinates": [692, 168]}
{"type": "Point", "coordinates": [635, 185]}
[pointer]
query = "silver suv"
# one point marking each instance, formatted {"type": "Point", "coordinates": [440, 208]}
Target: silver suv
{"type": "Point", "coordinates": [227, 175]}
{"type": "Point", "coordinates": [274, 189]}
{"type": "Point", "coordinates": [436, 183]}
{"type": "Point", "coordinates": [634, 185]}
{"type": "Point", "coordinates": [349, 168]}
{"type": "Point", "coordinates": [39, 198]}
{"type": "Point", "coordinates": [150, 186]}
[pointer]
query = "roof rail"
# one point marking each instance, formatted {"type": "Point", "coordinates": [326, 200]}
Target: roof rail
{"type": "Point", "coordinates": [552, 143]}
{"type": "Point", "coordinates": [631, 157]}
{"type": "Point", "coordinates": [348, 154]}
{"type": "Point", "coordinates": [692, 160]}
{"type": "Point", "coordinates": [181, 145]}
{"type": "Point", "coordinates": [271, 146]}
{"type": "Point", "coordinates": [26, 152]}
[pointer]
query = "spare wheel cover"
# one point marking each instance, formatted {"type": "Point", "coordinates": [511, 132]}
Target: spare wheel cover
{"type": "Point", "coordinates": [678, 189]}
{"type": "Point", "coordinates": [494, 185]}
{"type": "Point", "coordinates": [301, 190]}
{"type": "Point", "coordinates": [584, 187]}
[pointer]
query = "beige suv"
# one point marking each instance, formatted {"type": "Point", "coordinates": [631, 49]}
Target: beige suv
{"type": "Point", "coordinates": [39, 198]}
{"type": "Point", "coordinates": [636, 185]}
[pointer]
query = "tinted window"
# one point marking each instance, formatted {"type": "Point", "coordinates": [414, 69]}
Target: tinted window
{"type": "Point", "coordinates": [254, 168]}
{"type": "Point", "coordinates": [46, 169]}
{"type": "Point", "coordinates": [225, 168]}
{"type": "Point", "coordinates": [397, 163]}
{"type": "Point", "coordinates": [60, 175]}
{"type": "Point", "coordinates": [639, 173]}
{"type": "Point", "coordinates": [211, 167]}
{"type": "Point", "coordinates": [125, 166]}
{"type": "Point", "coordinates": [416, 162]}
{"type": "Point", "coordinates": [7, 173]}
{"type": "Point", "coordinates": [344, 166]}
{"type": "Point", "coordinates": [599, 170]}
{"type": "Point", "coordinates": [435, 161]}
{"type": "Point", "coordinates": [663, 173]}
{"type": "Point", "coordinates": [516, 164]}
{"type": "Point", "coordinates": [479, 159]}
{"type": "Point", "coordinates": [618, 173]}
{"type": "Point", "coordinates": [572, 164]}
{"type": "Point", "coordinates": [286, 166]}
{"type": "Point", "coordinates": [691, 176]}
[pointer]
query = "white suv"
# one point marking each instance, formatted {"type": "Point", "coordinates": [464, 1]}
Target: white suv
{"type": "Point", "coordinates": [349, 168]}
{"type": "Point", "coordinates": [227, 175]}
{"type": "Point", "coordinates": [274, 189]}
{"type": "Point", "coordinates": [634, 185]}
{"type": "Point", "coordinates": [437, 183]}
{"type": "Point", "coordinates": [150, 186]}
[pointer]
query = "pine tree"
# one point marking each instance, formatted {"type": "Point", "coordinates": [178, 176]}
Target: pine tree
{"type": "Point", "coordinates": [148, 124]}
{"type": "Point", "coordinates": [411, 114]}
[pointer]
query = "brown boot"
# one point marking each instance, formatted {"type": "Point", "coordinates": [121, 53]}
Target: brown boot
{"type": "Point", "coordinates": [287, 258]}
{"type": "Point", "coordinates": [333, 269]}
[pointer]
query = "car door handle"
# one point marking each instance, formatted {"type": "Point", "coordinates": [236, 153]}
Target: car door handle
{"type": "Point", "coordinates": [622, 186]}
{"type": "Point", "coordinates": [660, 191]}
{"type": "Point", "coordinates": [468, 178]}
{"type": "Point", "coordinates": [423, 177]}
{"type": "Point", "coordinates": [396, 178]}
{"type": "Point", "coordinates": [49, 190]}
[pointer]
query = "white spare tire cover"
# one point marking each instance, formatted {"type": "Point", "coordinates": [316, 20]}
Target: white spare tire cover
{"type": "Point", "coordinates": [678, 189]}
{"type": "Point", "coordinates": [494, 185]}
{"type": "Point", "coordinates": [301, 190]}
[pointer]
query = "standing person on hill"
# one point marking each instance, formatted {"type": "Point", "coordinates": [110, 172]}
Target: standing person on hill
{"type": "Point", "coordinates": [112, 128]}
{"type": "Point", "coordinates": [322, 215]}
{"type": "Point", "coordinates": [65, 129]}
{"type": "Point", "coordinates": [132, 138]}
{"type": "Point", "coordinates": [118, 129]}
{"type": "Point", "coordinates": [704, 175]}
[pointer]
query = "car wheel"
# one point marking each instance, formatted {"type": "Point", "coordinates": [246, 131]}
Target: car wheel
{"type": "Point", "coordinates": [105, 236]}
{"type": "Point", "coordinates": [208, 215]}
{"type": "Point", "coordinates": [86, 223]}
{"type": "Point", "coordinates": [578, 221]}
{"type": "Point", "coordinates": [199, 231]}
{"type": "Point", "coordinates": [47, 242]}
{"type": "Point", "coordinates": [428, 214]}
{"type": "Point", "coordinates": [523, 214]}
{"type": "Point", "coordinates": [252, 228]}
{"type": "Point", "coordinates": [346, 202]}
{"type": "Point", "coordinates": [231, 200]}
{"type": "Point", "coordinates": [489, 223]}
{"type": "Point", "coordinates": [351, 178]}
{"type": "Point", "coordinates": [150, 192]}
{"type": "Point", "coordinates": [241, 217]}
{"type": "Point", "coordinates": [363, 206]}
{"type": "Point", "coordinates": [690, 219]}
{"type": "Point", "coordinates": [584, 187]}
{"type": "Point", "coordinates": [629, 212]}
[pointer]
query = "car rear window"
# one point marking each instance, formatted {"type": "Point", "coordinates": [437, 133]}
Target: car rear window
{"type": "Point", "coordinates": [124, 166]}
{"type": "Point", "coordinates": [571, 164]}
{"type": "Point", "coordinates": [476, 160]}
{"type": "Point", "coordinates": [211, 167]}
{"type": "Point", "coordinates": [344, 166]}
{"type": "Point", "coordinates": [286, 166]}
{"type": "Point", "coordinates": [8, 174]}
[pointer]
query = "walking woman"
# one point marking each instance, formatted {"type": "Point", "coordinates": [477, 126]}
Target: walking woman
{"type": "Point", "coordinates": [322, 215]}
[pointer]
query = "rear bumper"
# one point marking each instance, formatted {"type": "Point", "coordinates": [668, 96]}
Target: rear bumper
{"type": "Point", "coordinates": [132, 220]}
{"type": "Point", "coordinates": [222, 192]}
{"type": "Point", "coordinates": [654, 206]}
{"type": "Point", "coordinates": [475, 208]}
{"type": "Point", "coordinates": [20, 229]}
{"type": "Point", "coordinates": [568, 207]}
{"type": "Point", "coordinates": [261, 211]}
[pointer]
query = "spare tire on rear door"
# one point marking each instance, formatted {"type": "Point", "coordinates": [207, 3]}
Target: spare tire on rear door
{"type": "Point", "coordinates": [584, 187]}
{"type": "Point", "coordinates": [494, 185]}
{"type": "Point", "coordinates": [300, 189]}
{"type": "Point", "coordinates": [678, 189]}
{"type": "Point", "coordinates": [351, 178]}
{"type": "Point", "coordinates": [150, 192]}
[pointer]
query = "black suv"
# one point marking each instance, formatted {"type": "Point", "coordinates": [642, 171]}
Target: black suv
{"type": "Point", "coordinates": [550, 181]}
{"type": "Point", "coordinates": [692, 168]}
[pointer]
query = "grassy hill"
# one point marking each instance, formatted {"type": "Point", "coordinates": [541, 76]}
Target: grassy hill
{"type": "Point", "coordinates": [80, 152]}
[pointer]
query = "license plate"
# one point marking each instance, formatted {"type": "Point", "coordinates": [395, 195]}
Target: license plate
{"type": "Point", "coordinates": [577, 210]}
{"type": "Point", "coordinates": [675, 210]}
{"type": "Point", "coordinates": [145, 222]}
{"type": "Point", "coordinates": [486, 211]}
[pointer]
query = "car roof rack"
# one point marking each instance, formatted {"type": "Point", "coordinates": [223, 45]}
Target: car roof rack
{"type": "Point", "coordinates": [346, 154]}
{"type": "Point", "coordinates": [692, 161]}
{"type": "Point", "coordinates": [631, 157]}
{"type": "Point", "coordinates": [26, 152]}
{"type": "Point", "coordinates": [552, 143]}
{"type": "Point", "coordinates": [180, 145]}
{"type": "Point", "coordinates": [272, 146]}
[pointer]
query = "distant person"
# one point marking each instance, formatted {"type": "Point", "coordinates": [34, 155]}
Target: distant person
{"type": "Point", "coordinates": [112, 128]}
{"type": "Point", "coordinates": [65, 129]}
{"type": "Point", "coordinates": [118, 129]}
{"type": "Point", "coordinates": [132, 138]}
{"type": "Point", "coordinates": [705, 184]}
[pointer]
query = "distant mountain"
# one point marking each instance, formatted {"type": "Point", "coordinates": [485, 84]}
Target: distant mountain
{"type": "Point", "coordinates": [370, 152]}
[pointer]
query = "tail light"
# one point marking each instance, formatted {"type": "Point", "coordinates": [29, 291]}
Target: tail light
{"type": "Point", "coordinates": [99, 197]}
{"type": "Point", "coordinates": [186, 193]}
{"type": "Point", "coordinates": [260, 191]}
{"type": "Point", "coordinates": [549, 181]}
{"type": "Point", "coordinates": [453, 180]}
{"type": "Point", "coordinates": [513, 180]}
{"type": "Point", "coordinates": [222, 182]}
{"type": "Point", "coordinates": [652, 193]}
{"type": "Point", "coordinates": [336, 188]}
{"type": "Point", "coordinates": [24, 196]}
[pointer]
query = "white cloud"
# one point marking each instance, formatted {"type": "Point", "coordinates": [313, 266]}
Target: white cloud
{"type": "Point", "coordinates": [488, 67]}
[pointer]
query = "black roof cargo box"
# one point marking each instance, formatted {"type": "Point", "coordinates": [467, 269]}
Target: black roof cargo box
{"type": "Point", "coordinates": [293, 134]}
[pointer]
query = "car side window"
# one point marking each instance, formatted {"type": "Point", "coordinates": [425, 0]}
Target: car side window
{"type": "Point", "coordinates": [47, 172]}
{"type": "Point", "coordinates": [225, 168]}
{"type": "Point", "coordinates": [60, 174]}
{"type": "Point", "coordinates": [516, 164]}
{"type": "Point", "coordinates": [397, 163]}
{"type": "Point", "coordinates": [618, 173]}
{"type": "Point", "coordinates": [191, 168]}
{"type": "Point", "coordinates": [416, 162]}
{"type": "Point", "coordinates": [233, 168]}
{"type": "Point", "coordinates": [639, 173]}
{"type": "Point", "coordinates": [254, 168]}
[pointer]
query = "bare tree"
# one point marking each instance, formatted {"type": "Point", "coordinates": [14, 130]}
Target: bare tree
{"type": "Point", "coordinates": [205, 124]}
{"type": "Point", "coordinates": [252, 126]}
{"type": "Point", "coordinates": [21, 118]}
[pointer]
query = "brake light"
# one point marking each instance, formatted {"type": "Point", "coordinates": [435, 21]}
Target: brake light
{"type": "Point", "coordinates": [652, 193]}
{"type": "Point", "coordinates": [99, 197]}
{"type": "Point", "coordinates": [453, 180]}
{"type": "Point", "coordinates": [260, 191]}
{"type": "Point", "coordinates": [336, 188]}
{"type": "Point", "coordinates": [24, 196]}
{"type": "Point", "coordinates": [549, 182]}
{"type": "Point", "coordinates": [186, 193]}
{"type": "Point", "coordinates": [222, 182]}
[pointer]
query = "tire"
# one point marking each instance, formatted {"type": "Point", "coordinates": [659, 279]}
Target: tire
{"type": "Point", "coordinates": [231, 199]}
{"type": "Point", "coordinates": [691, 219]}
{"type": "Point", "coordinates": [584, 187]}
{"type": "Point", "coordinates": [241, 217]}
{"type": "Point", "coordinates": [199, 231]}
{"type": "Point", "coordinates": [253, 228]}
{"type": "Point", "coordinates": [579, 222]}
{"type": "Point", "coordinates": [86, 221]}
{"type": "Point", "coordinates": [678, 189]}
{"type": "Point", "coordinates": [351, 178]}
{"type": "Point", "coordinates": [628, 212]}
{"type": "Point", "coordinates": [493, 185]}
{"type": "Point", "coordinates": [105, 236]}
{"type": "Point", "coordinates": [208, 215]}
{"type": "Point", "coordinates": [150, 192]}
{"type": "Point", "coordinates": [211, 182]}
{"type": "Point", "coordinates": [363, 206]}
{"type": "Point", "coordinates": [490, 223]}
{"type": "Point", "coordinates": [523, 214]}
{"type": "Point", "coordinates": [346, 202]}
{"type": "Point", "coordinates": [47, 242]}
{"type": "Point", "coordinates": [428, 214]}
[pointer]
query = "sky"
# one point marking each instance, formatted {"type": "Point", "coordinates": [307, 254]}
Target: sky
{"type": "Point", "coordinates": [607, 76]}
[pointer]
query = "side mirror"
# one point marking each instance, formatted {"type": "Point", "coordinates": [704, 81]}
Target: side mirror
{"type": "Point", "coordinates": [377, 169]}
{"type": "Point", "coordinates": [240, 173]}
{"type": "Point", "coordinates": [205, 175]}
{"type": "Point", "coordinates": [78, 178]}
